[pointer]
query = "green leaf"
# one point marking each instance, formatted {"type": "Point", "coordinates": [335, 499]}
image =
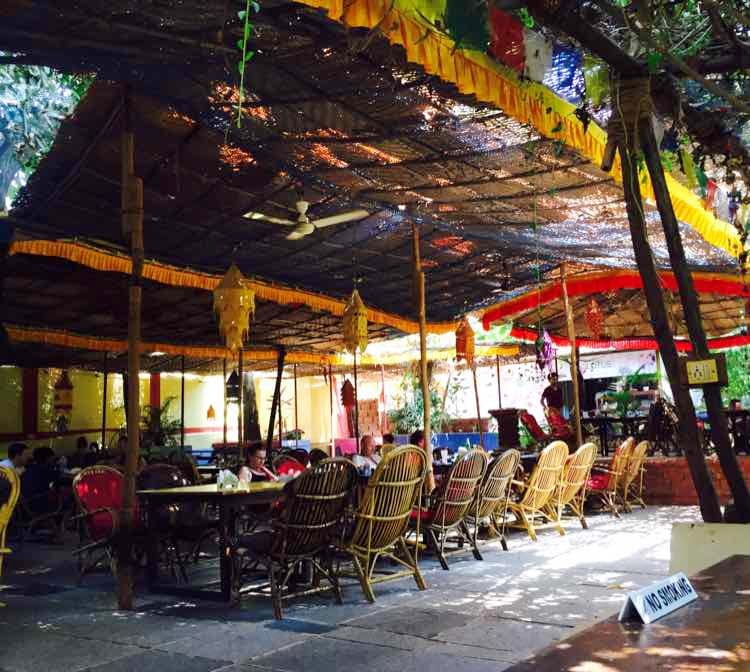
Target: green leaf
{"type": "Point", "coordinates": [255, 6]}
{"type": "Point", "coordinates": [242, 14]}
{"type": "Point", "coordinates": [249, 55]}
{"type": "Point", "coordinates": [241, 67]}
{"type": "Point", "coordinates": [653, 61]}
{"type": "Point", "coordinates": [240, 44]}
{"type": "Point", "coordinates": [526, 18]}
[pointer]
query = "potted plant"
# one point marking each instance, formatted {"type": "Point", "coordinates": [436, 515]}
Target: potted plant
{"type": "Point", "coordinates": [160, 429]}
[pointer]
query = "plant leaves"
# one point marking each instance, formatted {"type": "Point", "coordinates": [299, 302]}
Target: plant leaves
{"type": "Point", "coordinates": [242, 14]}
{"type": "Point", "coordinates": [249, 55]}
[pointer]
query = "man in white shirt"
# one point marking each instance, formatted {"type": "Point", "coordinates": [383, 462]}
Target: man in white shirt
{"type": "Point", "coordinates": [367, 456]}
{"type": "Point", "coordinates": [16, 458]}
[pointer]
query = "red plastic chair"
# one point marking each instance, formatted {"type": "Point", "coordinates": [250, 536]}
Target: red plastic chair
{"type": "Point", "coordinates": [98, 491]}
{"type": "Point", "coordinates": [529, 421]}
{"type": "Point", "coordinates": [561, 430]}
{"type": "Point", "coordinates": [288, 466]}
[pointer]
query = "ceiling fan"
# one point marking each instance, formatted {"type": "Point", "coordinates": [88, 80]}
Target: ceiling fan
{"type": "Point", "coordinates": [304, 226]}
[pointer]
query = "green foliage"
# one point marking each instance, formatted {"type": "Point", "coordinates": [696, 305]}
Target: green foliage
{"type": "Point", "coordinates": [738, 372]}
{"type": "Point", "coordinates": [160, 428]}
{"type": "Point", "coordinates": [245, 54]}
{"type": "Point", "coordinates": [410, 415]}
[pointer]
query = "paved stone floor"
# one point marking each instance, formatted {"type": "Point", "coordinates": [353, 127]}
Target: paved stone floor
{"type": "Point", "coordinates": [477, 617]}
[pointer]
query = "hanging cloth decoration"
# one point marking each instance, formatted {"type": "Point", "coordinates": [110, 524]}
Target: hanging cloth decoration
{"type": "Point", "coordinates": [711, 188]}
{"type": "Point", "coordinates": [721, 204]}
{"type": "Point", "coordinates": [688, 167]}
{"type": "Point", "coordinates": [233, 303]}
{"type": "Point", "coordinates": [465, 342]}
{"type": "Point", "coordinates": [565, 77]}
{"type": "Point", "coordinates": [596, 78]}
{"type": "Point", "coordinates": [507, 39]}
{"type": "Point", "coordinates": [355, 324]}
{"type": "Point", "coordinates": [594, 319]}
{"type": "Point", "coordinates": [63, 396]}
{"type": "Point", "coordinates": [537, 55]}
{"type": "Point", "coordinates": [544, 352]}
{"type": "Point", "coordinates": [466, 24]}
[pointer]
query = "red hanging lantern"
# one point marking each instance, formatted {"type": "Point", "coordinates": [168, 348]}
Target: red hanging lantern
{"type": "Point", "coordinates": [348, 397]}
{"type": "Point", "coordinates": [63, 397]}
{"type": "Point", "coordinates": [595, 319]}
{"type": "Point", "coordinates": [465, 342]}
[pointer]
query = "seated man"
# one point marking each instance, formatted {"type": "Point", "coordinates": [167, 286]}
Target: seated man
{"type": "Point", "coordinates": [366, 456]}
{"type": "Point", "coordinates": [16, 457]}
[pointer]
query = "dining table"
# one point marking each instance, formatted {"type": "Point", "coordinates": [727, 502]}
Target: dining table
{"type": "Point", "coordinates": [229, 503]}
{"type": "Point", "coordinates": [604, 425]}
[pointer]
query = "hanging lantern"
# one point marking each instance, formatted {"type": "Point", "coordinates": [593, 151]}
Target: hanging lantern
{"type": "Point", "coordinates": [594, 319]}
{"type": "Point", "coordinates": [211, 413]}
{"type": "Point", "coordinates": [233, 388]}
{"type": "Point", "coordinates": [63, 398]}
{"type": "Point", "coordinates": [233, 303]}
{"type": "Point", "coordinates": [348, 396]}
{"type": "Point", "coordinates": [465, 342]}
{"type": "Point", "coordinates": [355, 324]}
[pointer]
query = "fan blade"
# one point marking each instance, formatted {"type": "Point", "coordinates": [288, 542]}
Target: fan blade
{"type": "Point", "coordinates": [295, 235]}
{"type": "Point", "coordinates": [340, 218]}
{"type": "Point", "coordinates": [259, 216]}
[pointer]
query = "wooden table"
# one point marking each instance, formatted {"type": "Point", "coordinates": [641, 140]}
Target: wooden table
{"type": "Point", "coordinates": [228, 503]}
{"type": "Point", "coordinates": [707, 635]}
{"type": "Point", "coordinates": [603, 423]}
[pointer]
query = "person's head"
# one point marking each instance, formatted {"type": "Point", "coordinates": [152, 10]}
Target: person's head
{"type": "Point", "coordinates": [317, 455]}
{"type": "Point", "coordinates": [552, 378]}
{"type": "Point", "coordinates": [437, 455]}
{"type": "Point", "coordinates": [417, 438]}
{"type": "Point", "coordinates": [366, 445]}
{"type": "Point", "coordinates": [43, 455]}
{"type": "Point", "coordinates": [388, 438]}
{"type": "Point", "coordinates": [256, 456]}
{"type": "Point", "coordinates": [93, 447]}
{"type": "Point", "coordinates": [735, 404]}
{"type": "Point", "coordinates": [16, 453]}
{"type": "Point", "coordinates": [81, 444]}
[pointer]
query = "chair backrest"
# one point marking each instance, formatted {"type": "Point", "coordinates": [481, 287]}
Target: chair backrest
{"type": "Point", "coordinates": [457, 490]}
{"type": "Point", "coordinates": [559, 428]}
{"type": "Point", "coordinates": [98, 487]}
{"type": "Point", "coordinates": [635, 463]}
{"type": "Point", "coordinates": [496, 483]}
{"type": "Point", "coordinates": [619, 463]}
{"type": "Point", "coordinates": [288, 466]}
{"type": "Point", "coordinates": [546, 476]}
{"type": "Point", "coordinates": [160, 476]}
{"type": "Point", "coordinates": [387, 448]}
{"type": "Point", "coordinates": [315, 508]}
{"type": "Point", "coordinates": [576, 473]}
{"type": "Point", "coordinates": [529, 421]}
{"type": "Point", "coordinates": [301, 455]}
{"type": "Point", "coordinates": [9, 492]}
{"type": "Point", "coordinates": [391, 493]}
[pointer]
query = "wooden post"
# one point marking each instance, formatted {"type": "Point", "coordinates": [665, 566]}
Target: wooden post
{"type": "Point", "coordinates": [241, 412]}
{"type": "Point", "coordinates": [182, 403]}
{"type": "Point", "coordinates": [687, 427]}
{"type": "Point", "coordinates": [275, 400]}
{"type": "Point", "coordinates": [473, 367]}
{"type": "Point", "coordinates": [356, 401]}
{"type": "Point", "coordinates": [499, 391]}
{"type": "Point", "coordinates": [296, 416]}
{"type": "Point", "coordinates": [330, 401]}
{"type": "Point", "coordinates": [224, 392]}
{"type": "Point", "coordinates": [422, 310]}
{"type": "Point", "coordinates": [132, 221]}
{"type": "Point", "coordinates": [691, 310]}
{"type": "Point", "coordinates": [573, 358]}
{"type": "Point", "coordinates": [104, 402]}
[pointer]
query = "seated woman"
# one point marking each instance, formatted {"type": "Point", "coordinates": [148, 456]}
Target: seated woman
{"type": "Point", "coordinates": [367, 456]}
{"type": "Point", "coordinates": [256, 469]}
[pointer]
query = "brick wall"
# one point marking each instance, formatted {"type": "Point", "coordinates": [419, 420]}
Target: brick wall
{"type": "Point", "coordinates": [667, 480]}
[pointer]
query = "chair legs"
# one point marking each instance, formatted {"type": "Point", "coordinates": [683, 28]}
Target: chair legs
{"type": "Point", "coordinates": [437, 546]}
{"type": "Point", "coordinates": [364, 578]}
{"type": "Point", "coordinates": [412, 561]}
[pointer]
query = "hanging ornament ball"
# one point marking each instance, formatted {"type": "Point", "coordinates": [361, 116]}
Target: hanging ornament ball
{"type": "Point", "coordinates": [594, 318]}
{"type": "Point", "coordinates": [233, 304]}
{"type": "Point", "coordinates": [355, 324]}
{"type": "Point", "coordinates": [465, 342]}
{"type": "Point", "coordinates": [348, 397]}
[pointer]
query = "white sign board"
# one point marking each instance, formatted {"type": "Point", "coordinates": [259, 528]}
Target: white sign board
{"type": "Point", "coordinates": [658, 599]}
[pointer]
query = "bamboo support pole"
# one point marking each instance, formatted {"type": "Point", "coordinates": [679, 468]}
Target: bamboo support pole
{"type": "Point", "coordinates": [241, 412]}
{"type": "Point", "coordinates": [356, 401]}
{"type": "Point", "coordinates": [132, 221]}
{"type": "Point", "coordinates": [687, 427]}
{"type": "Point", "coordinates": [473, 367]}
{"type": "Point", "coordinates": [275, 402]}
{"type": "Point", "coordinates": [330, 402]}
{"type": "Point", "coordinates": [296, 415]}
{"type": "Point", "coordinates": [573, 357]}
{"type": "Point", "coordinates": [691, 310]}
{"type": "Point", "coordinates": [225, 403]}
{"type": "Point", "coordinates": [499, 390]}
{"type": "Point", "coordinates": [182, 403]}
{"type": "Point", "coordinates": [104, 402]}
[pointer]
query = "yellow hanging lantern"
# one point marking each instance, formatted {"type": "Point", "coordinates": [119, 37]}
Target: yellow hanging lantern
{"type": "Point", "coordinates": [355, 324]}
{"type": "Point", "coordinates": [233, 303]}
{"type": "Point", "coordinates": [63, 397]}
{"type": "Point", "coordinates": [465, 342]}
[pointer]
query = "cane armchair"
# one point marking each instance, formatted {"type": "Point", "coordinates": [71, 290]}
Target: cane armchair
{"type": "Point", "coordinates": [492, 496]}
{"type": "Point", "coordinates": [10, 487]}
{"type": "Point", "coordinates": [535, 494]}
{"type": "Point", "coordinates": [572, 489]}
{"type": "Point", "coordinates": [606, 484]}
{"type": "Point", "coordinates": [382, 519]}
{"type": "Point", "coordinates": [632, 480]}
{"type": "Point", "coordinates": [305, 530]}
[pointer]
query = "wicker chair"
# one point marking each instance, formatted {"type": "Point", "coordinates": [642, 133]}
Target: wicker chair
{"type": "Point", "coordinates": [572, 489]}
{"type": "Point", "coordinates": [382, 519]}
{"type": "Point", "coordinates": [606, 484]}
{"type": "Point", "coordinates": [492, 495]}
{"type": "Point", "coordinates": [10, 487]}
{"type": "Point", "coordinates": [98, 491]}
{"type": "Point", "coordinates": [632, 480]}
{"type": "Point", "coordinates": [450, 504]}
{"type": "Point", "coordinates": [536, 493]}
{"type": "Point", "coordinates": [304, 531]}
